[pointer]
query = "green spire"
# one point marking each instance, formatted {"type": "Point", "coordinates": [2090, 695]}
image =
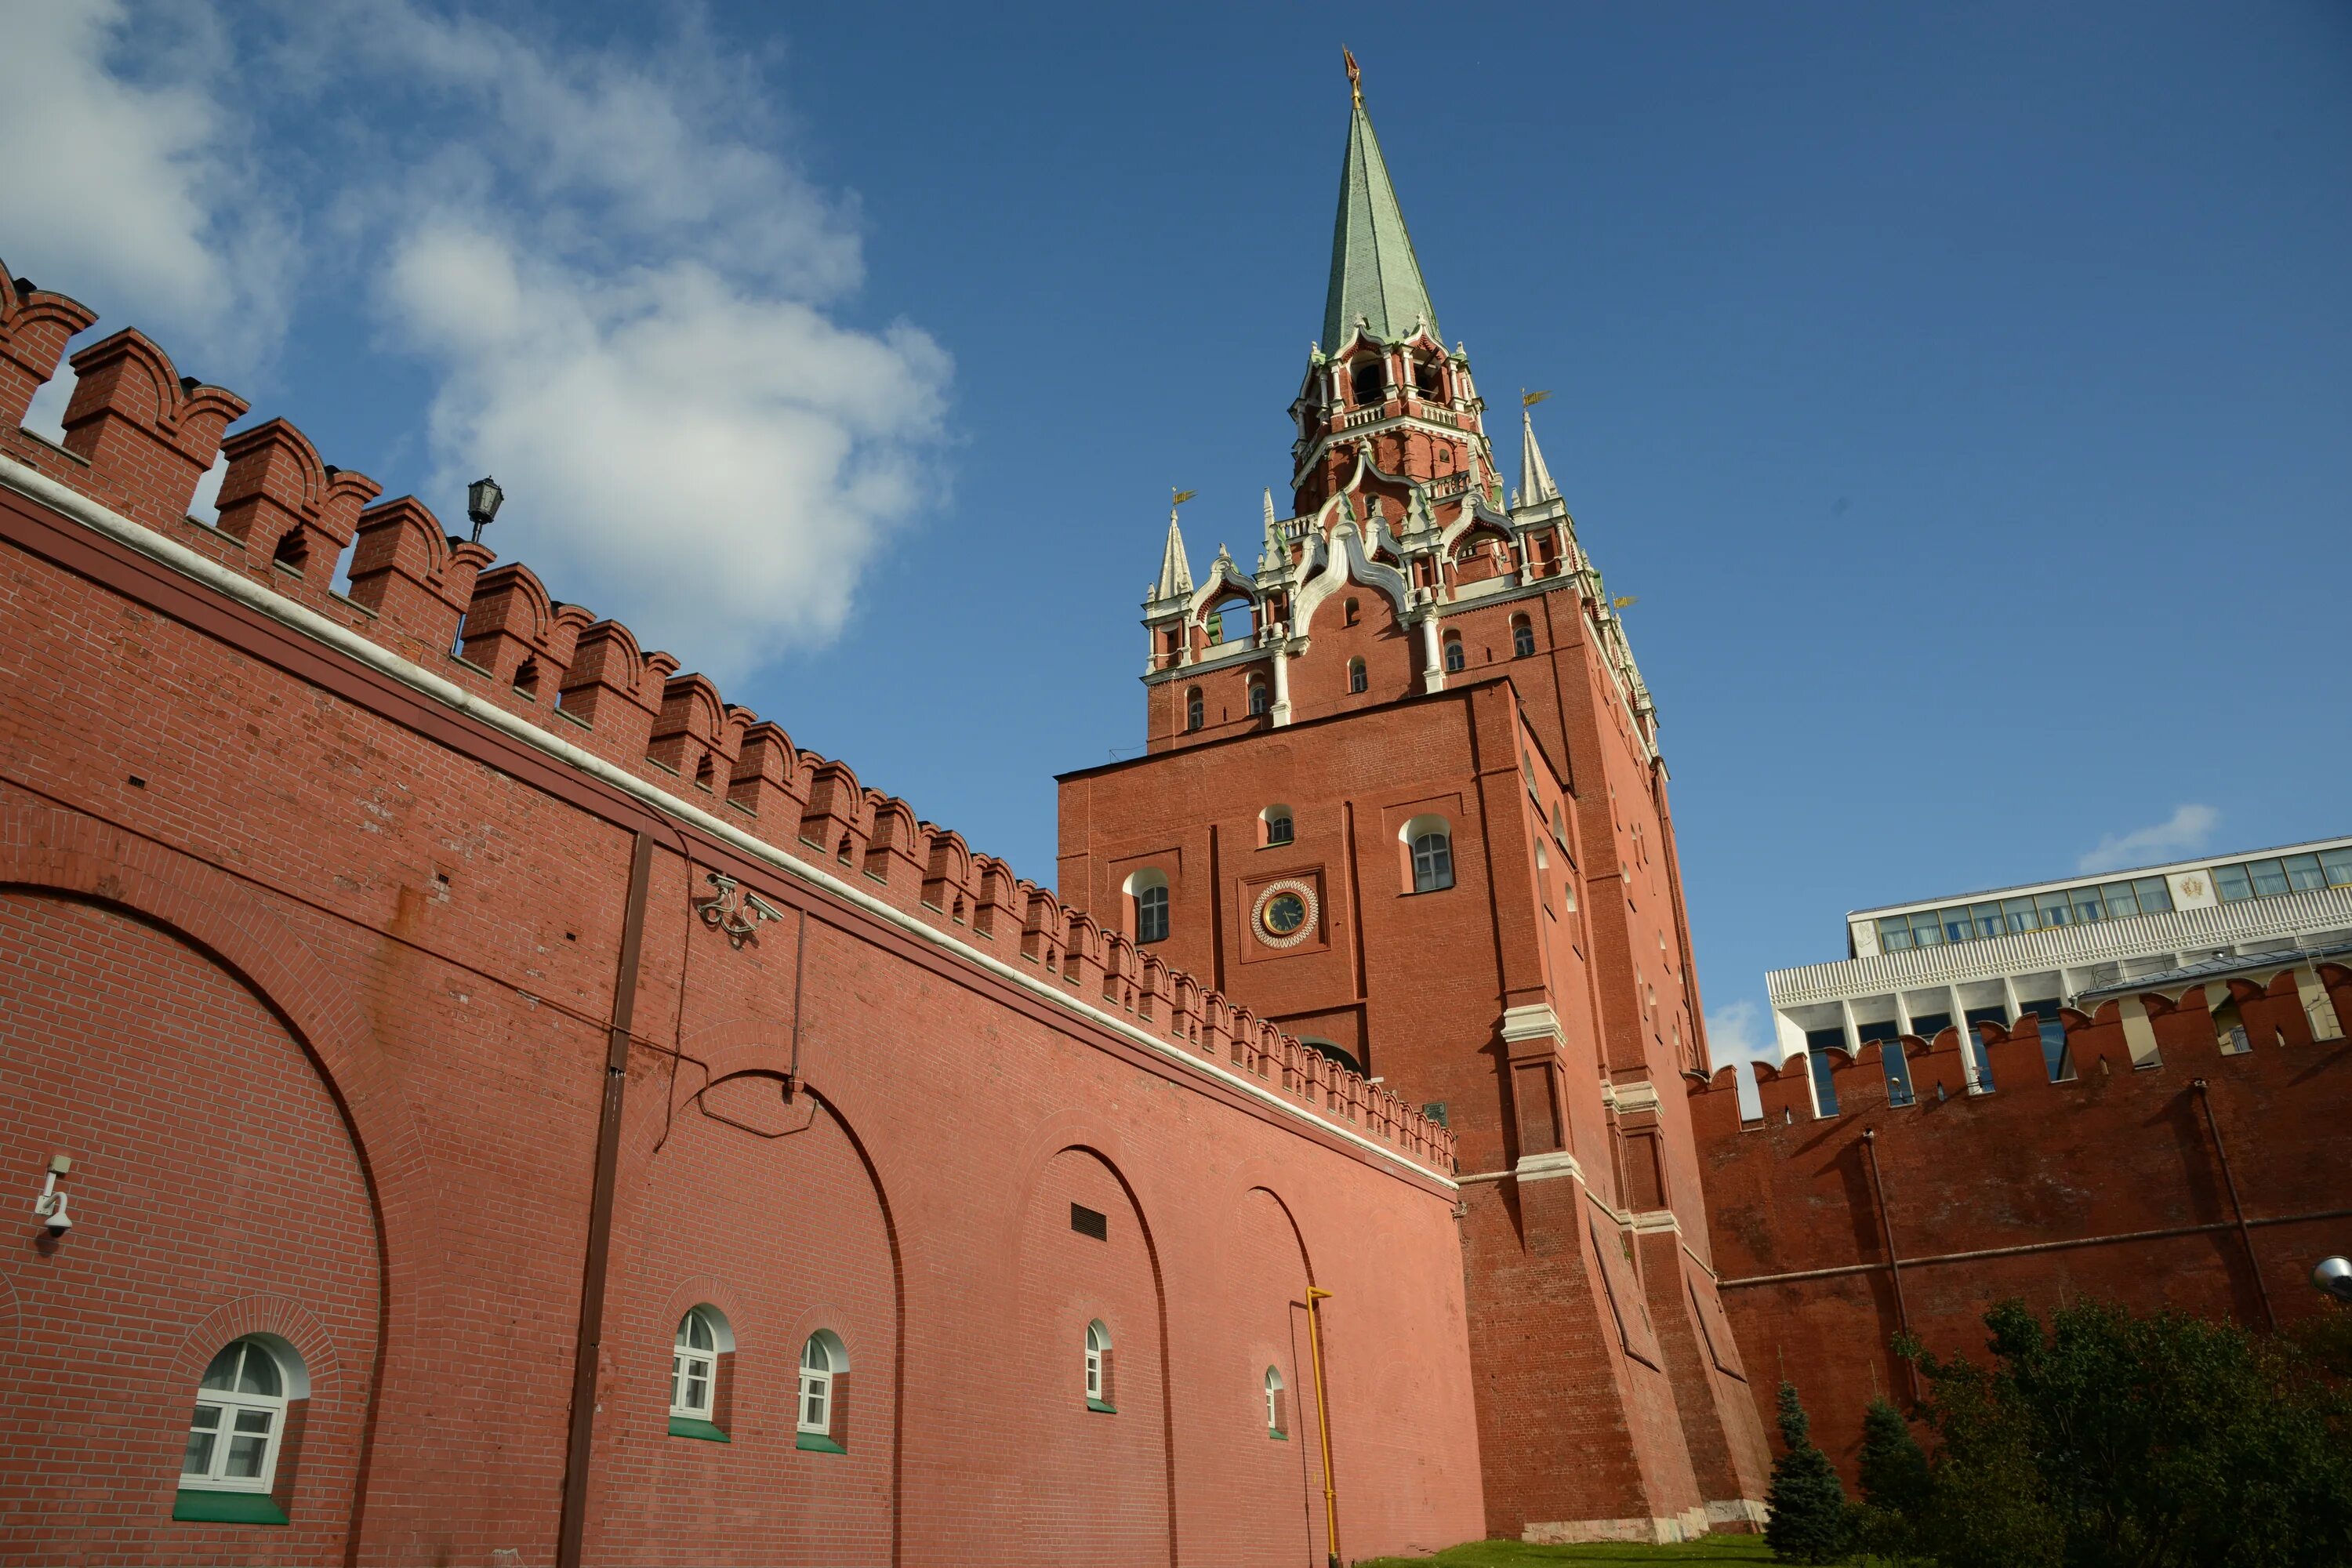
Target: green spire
{"type": "Point", "coordinates": [1373, 273]}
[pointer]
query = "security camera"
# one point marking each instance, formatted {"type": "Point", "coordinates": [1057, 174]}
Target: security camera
{"type": "Point", "coordinates": [50, 1206]}
{"type": "Point", "coordinates": [2333, 1275]}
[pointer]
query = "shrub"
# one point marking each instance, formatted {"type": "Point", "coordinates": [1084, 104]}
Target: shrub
{"type": "Point", "coordinates": [2117, 1441]}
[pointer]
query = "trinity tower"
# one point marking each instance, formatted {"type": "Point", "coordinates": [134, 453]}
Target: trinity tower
{"type": "Point", "coordinates": [1403, 797]}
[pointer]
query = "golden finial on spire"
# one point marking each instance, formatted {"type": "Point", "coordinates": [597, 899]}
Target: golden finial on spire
{"type": "Point", "coordinates": [1355, 74]}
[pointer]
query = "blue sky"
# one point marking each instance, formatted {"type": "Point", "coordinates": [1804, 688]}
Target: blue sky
{"type": "Point", "coordinates": [1963, 391]}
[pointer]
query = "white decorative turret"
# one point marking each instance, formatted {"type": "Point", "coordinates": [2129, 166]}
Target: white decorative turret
{"type": "Point", "coordinates": [1272, 557]}
{"type": "Point", "coordinates": [1535, 478]}
{"type": "Point", "coordinates": [1175, 570]}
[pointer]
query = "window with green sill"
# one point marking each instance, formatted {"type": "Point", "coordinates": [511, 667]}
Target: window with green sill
{"type": "Point", "coordinates": [822, 1429]}
{"type": "Point", "coordinates": [1098, 1369]}
{"type": "Point", "coordinates": [701, 1354]}
{"type": "Point", "coordinates": [196, 1506]}
{"type": "Point", "coordinates": [237, 1435]}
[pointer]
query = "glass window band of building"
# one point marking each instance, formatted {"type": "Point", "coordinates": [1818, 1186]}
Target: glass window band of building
{"type": "Point", "coordinates": [2108, 901]}
{"type": "Point", "coordinates": [2283, 874]}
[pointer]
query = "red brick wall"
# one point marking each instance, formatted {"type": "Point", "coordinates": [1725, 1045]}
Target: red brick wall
{"type": "Point", "coordinates": [214, 1193]}
{"type": "Point", "coordinates": [2114, 1180]}
{"type": "Point", "coordinates": [428, 913]}
{"type": "Point", "coordinates": [1575, 1425]}
{"type": "Point", "coordinates": [1095, 1483]}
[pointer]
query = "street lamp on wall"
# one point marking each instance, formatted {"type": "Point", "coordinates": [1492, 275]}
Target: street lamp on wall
{"type": "Point", "coordinates": [482, 498]}
{"type": "Point", "coordinates": [2333, 1278]}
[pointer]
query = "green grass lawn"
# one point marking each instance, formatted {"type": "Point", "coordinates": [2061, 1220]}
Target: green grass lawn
{"type": "Point", "coordinates": [1519, 1554]}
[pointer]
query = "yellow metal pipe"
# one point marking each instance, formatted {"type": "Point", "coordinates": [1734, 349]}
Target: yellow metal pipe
{"type": "Point", "coordinates": [1323, 1423]}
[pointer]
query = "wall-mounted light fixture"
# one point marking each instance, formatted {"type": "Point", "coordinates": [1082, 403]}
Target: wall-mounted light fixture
{"type": "Point", "coordinates": [482, 498]}
{"type": "Point", "coordinates": [50, 1206]}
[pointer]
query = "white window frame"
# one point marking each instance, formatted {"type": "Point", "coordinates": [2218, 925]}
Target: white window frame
{"type": "Point", "coordinates": [1097, 1343]}
{"type": "Point", "coordinates": [689, 1362]}
{"type": "Point", "coordinates": [231, 1404]}
{"type": "Point", "coordinates": [1274, 1386]}
{"type": "Point", "coordinates": [818, 1370]}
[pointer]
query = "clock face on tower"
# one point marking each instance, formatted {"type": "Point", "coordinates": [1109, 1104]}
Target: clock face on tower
{"type": "Point", "coordinates": [1284, 915]}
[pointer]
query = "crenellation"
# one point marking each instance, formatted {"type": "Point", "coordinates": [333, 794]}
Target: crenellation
{"type": "Point", "coordinates": [891, 855]}
{"type": "Point", "coordinates": [510, 622]}
{"type": "Point", "coordinates": [998, 910]}
{"type": "Point", "coordinates": [292, 512]}
{"type": "Point", "coordinates": [834, 818]}
{"type": "Point", "coordinates": [34, 327]}
{"type": "Point", "coordinates": [688, 731]}
{"type": "Point", "coordinates": [148, 432]}
{"type": "Point", "coordinates": [401, 571]}
{"type": "Point", "coordinates": [949, 885]}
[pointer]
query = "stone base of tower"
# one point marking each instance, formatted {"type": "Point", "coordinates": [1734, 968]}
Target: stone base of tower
{"type": "Point", "coordinates": [1576, 1403]}
{"type": "Point", "coordinates": [1720, 1423]}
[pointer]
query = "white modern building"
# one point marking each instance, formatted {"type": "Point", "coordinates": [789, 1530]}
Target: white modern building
{"type": "Point", "coordinates": [1918, 968]}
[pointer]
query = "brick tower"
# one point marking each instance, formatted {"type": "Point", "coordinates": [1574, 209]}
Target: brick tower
{"type": "Point", "coordinates": [1403, 795]}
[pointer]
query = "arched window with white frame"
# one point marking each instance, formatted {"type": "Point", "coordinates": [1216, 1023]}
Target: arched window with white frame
{"type": "Point", "coordinates": [1523, 638]}
{"type": "Point", "coordinates": [823, 1417]}
{"type": "Point", "coordinates": [1276, 826]}
{"type": "Point", "coordinates": [1455, 660]}
{"type": "Point", "coordinates": [1148, 897]}
{"type": "Point", "coordinates": [1195, 712]}
{"type": "Point", "coordinates": [1428, 841]}
{"type": "Point", "coordinates": [701, 1375]}
{"type": "Point", "coordinates": [1277, 1417]}
{"type": "Point", "coordinates": [1357, 678]}
{"type": "Point", "coordinates": [237, 1468]}
{"type": "Point", "coordinates": [1099, 1387]}
{"type": "Point", "coordinates": [1258, 700]}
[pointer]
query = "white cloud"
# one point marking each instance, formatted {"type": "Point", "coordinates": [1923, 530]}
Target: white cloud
{"type": "Point", "coordinates": [1739, 1035]}
{"type": "Point", "coordinates": [125, 185]}
{"type": "Point", "coordinates": [629, 296]}
{"type": "Point", "coordinates": [1737, 1031]}
{"type": "Point", "coordinates": [2185, 832]}
{"type": "Point", "coordinates": [653, 142]}
{"type": "Point", "coordinates": [715, 465]}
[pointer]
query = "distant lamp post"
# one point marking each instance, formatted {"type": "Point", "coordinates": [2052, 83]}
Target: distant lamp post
{"type": "Point", "coordinates": [2333, 1276]}
{"type": "Point", "coordinates": [482, 498]}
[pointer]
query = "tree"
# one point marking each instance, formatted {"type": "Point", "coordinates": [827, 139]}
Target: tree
{"type": "Point", "coordinates": [1895, 1485]}
{"type": "Point", "coordinates": [1807, 1523]}
{"type": "Point", "coordinates": [2117, 1441]}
